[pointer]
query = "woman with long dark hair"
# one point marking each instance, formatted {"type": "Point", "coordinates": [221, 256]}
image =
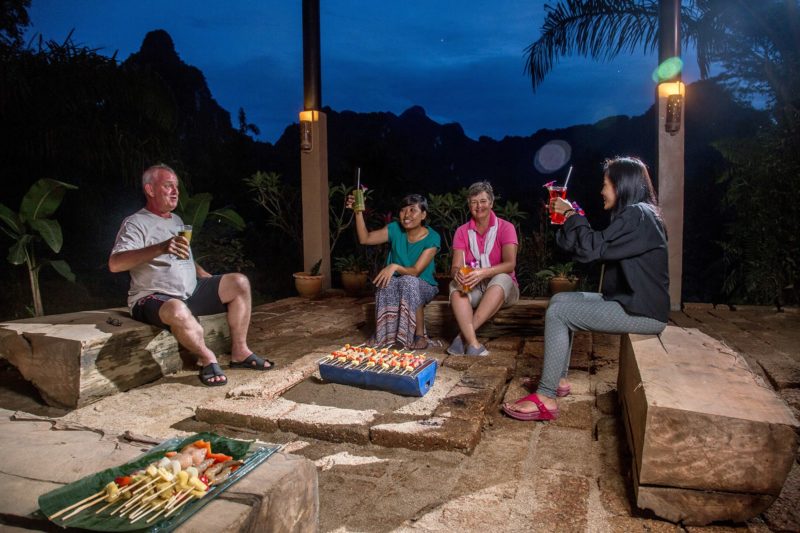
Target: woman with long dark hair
{"type": "Point", "coordinates": [406, 283]}
{"type": "Point", "coordinates": [634, 295]}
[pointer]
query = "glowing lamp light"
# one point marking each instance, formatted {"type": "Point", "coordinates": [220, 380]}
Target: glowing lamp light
{"type": "Point", "coordinates": [668, 69]}
{"type": "Point", "coordinates": [306, 118]}
{"type": "Point", "coordinates": [674, 93]}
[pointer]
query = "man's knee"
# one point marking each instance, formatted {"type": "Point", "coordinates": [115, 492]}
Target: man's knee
{"type": "Point", "coordinates": [174, 313]}
{"type": "Point", "coordinates": [238, 283]}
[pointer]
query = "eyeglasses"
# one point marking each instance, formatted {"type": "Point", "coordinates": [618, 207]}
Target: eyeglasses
{"type": "Point", "coordinates": [113, 321]}
{"type": "Point", "coordinates": [475, 203]}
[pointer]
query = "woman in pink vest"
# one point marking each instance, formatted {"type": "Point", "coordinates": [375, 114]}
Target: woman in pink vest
{"type": "Point", "coordinates": [484, 258]}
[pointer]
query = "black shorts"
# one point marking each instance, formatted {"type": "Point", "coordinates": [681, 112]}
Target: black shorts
{"type": "Point", "coordinates": [203, 301]}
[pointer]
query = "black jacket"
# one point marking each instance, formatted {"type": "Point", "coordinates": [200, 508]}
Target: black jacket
{"type": "Point", "coordinates": [634, 249]}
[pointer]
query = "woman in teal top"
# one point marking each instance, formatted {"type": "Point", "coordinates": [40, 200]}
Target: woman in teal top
{"type": "Point", "coordinates": [406, 283]}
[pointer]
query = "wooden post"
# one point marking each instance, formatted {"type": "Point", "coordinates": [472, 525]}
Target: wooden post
{"type": "Point", "coordinates": [316, 223]}
{"type": "Point", "coordinates": [314, 151]}
{"type": "Point", "coordinates": [670, 148]}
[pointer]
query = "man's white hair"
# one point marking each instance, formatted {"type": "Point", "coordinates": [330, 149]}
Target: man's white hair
{"type": "Point", "coordinates": [150, 174]}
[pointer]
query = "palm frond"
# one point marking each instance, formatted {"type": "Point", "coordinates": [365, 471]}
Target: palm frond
{"type": "Point", "coordinates": [600, 29]}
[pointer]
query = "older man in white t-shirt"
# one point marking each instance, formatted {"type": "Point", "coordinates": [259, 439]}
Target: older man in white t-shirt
{"type": "Point", "coordinates": [168, 289]}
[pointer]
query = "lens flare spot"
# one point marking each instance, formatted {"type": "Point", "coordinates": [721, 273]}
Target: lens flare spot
{"type": "Point", "coordinates": [668, 69]}
{"type": "Point", "coordinates": [552, 156]}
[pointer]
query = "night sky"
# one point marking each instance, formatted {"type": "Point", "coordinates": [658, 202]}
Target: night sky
{"type": "Point", "coordinates": [461, 60]}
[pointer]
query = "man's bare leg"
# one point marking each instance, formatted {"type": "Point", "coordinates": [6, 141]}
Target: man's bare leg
{"type": "Point", "coordinates": [188, 331]}
{"type": "Point", "coordinates": [234, 290]}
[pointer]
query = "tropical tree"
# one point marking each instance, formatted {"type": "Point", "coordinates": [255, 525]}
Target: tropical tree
{"type": "Point", "coordinates": [32, 225]}
{"type": "Point", "coordinates": [754, 43]}
{"type": "Point", "coordinates": [13, 21]}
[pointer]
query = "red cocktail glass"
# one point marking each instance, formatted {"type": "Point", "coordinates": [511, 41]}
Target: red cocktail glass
{"type": "Point", "coordinates": [556, 191]}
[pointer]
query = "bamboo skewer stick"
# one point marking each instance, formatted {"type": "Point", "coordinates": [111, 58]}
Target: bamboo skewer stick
{"type": "Point", "coordinates": [139, 494]}
{"type": "Point", "coordinates": [184, 502]}
{"type": "Point", "coordinates": [76, 504]}
{"type": "Point", "coordinates": [146, 501]}
{"type": "Point", "coordinates": [85, 506]}
{"type": "Point", "coordinates": [140, 510]}
{"type": "Point", "coordinates": [121, 492]}
{"type": "Point", "coordinates": [159, 506]}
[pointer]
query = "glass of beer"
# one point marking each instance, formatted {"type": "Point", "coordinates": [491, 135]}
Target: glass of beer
{"type": "Point", "coordinates": [185, 231]}
{"type": "Point", "coordinates": [556, 191]}
{"type": "Point", "coordinates": [358, 199]}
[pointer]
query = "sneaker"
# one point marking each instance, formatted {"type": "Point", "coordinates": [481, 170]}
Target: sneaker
{"type": "Point", "coordinates": [480, 350]}
{"type": "Point", "coordinates": [456, 347]}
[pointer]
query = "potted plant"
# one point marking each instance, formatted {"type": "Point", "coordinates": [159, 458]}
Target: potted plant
{"type": "Point", "coordinates": [309, 284]}
{"type": "Point", "coordinates": [561, 277]}
{"type": "Point", "coordinates": [354, 273]}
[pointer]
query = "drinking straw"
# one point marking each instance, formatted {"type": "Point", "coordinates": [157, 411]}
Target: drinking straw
{"type": "Point", "coordinates": [569, 172]}
{"type": "Point", "coordinates": [358, 178]}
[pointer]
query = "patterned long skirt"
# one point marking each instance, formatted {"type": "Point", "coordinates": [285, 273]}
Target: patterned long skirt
{"type": "Point", "coordinates": [396, 307]}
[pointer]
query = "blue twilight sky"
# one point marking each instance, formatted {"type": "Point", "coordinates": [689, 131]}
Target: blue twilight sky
{"type": "Point", "coordinates": [461, 60]}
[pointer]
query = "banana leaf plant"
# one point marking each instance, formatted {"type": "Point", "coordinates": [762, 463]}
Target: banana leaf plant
{"type": "Point", "coordinates": [32, 225]}
{"type": "Point", "coordinates": [194, 210]}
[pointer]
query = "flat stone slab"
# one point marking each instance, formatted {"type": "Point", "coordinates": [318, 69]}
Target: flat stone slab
{"type": "Point", "coordinates": [279, 495]}
{"type": "Point", "coordinates": [76, 358]}
{"type": "Point", "coordinates": [435, 433]}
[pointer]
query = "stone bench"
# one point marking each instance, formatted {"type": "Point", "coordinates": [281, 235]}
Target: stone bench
{"type": "Point", "coordinates": [76, 358]}
{"type": "Point", "coordinates": [525, 318]}
{"type": "Point", "coordinates": [710, 440]}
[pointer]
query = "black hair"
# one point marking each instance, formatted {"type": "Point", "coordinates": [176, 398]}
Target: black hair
{"type": "Point", "coordinates": [631, 182]}
{"type": "Point", "coordinates": [415, 199]}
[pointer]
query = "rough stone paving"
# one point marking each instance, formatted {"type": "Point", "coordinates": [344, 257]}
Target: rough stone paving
{"type": "Point", "coordinates": [452, 462]}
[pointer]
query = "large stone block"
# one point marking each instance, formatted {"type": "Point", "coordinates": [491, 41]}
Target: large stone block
{"type": "Point", "coordinates": [709, 440]}
{"type": "Point", "coordinates": [76, 358]}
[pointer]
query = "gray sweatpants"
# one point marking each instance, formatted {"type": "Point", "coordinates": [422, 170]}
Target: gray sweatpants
{"type": "Point", "coordinates": [582, 311]}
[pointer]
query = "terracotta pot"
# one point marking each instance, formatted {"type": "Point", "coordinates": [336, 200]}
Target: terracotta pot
{"type": "Point", "coordinates": [354, 283]}
{"type": "Point", "coordinates": [307, 286]}
{"type": "Point", "coordinates": [559, 284]}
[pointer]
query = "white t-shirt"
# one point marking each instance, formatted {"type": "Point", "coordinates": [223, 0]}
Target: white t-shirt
{"type": "Point", "coordinates": [166, 273]}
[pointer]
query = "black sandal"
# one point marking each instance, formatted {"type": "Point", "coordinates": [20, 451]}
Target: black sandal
{"type": "Point", "coordinates": [253, 362]}
{"type": "Point", "coordinates": [209, 372]}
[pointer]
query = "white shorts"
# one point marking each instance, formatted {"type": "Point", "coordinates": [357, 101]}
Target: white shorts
{"type": "Point", "coordinates": [504, 281]}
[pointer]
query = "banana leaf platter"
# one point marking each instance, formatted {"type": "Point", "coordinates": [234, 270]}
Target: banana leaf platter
{"type": "Point", "coordinates": [56, 500]}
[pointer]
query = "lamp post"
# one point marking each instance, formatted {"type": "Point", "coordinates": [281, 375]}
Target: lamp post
{"type": "Point", "coordinates": [670, 97]}
{"type": "Point", "coordinates": [314, 151]}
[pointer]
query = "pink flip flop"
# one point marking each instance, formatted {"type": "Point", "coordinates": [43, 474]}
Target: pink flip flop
{"type": "Point", "coordinates": [542, 414]}
{"type": "Point", "coordinates": [561, 392]}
